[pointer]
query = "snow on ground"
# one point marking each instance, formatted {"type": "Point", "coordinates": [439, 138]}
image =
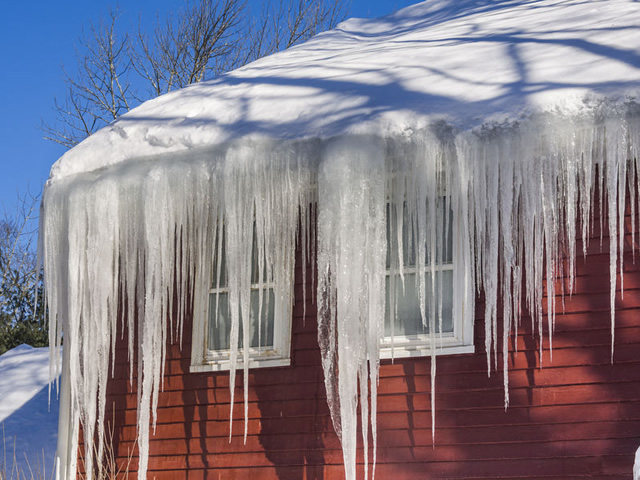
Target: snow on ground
{"type": "Point", "coordinates": [29, 423]}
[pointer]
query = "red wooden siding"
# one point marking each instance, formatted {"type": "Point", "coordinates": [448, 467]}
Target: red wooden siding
{"type": "Point", "coordinates": [577, 417]}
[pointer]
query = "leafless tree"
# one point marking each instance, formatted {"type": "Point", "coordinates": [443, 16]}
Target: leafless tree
{"type": "Point", "coordinates": [100, 91]}
{"type": "Point", "coordinates": [191, 48]}
{"type": "Point", "coordinates": [202, 40]}
{"type": "Point", "coordinates": [284, 23]}
{"type": "Point", "coordinates": [20, 279]}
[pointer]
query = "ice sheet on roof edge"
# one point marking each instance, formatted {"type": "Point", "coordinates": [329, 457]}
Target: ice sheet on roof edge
{"type": "Point", "coordinates": [523, 192]}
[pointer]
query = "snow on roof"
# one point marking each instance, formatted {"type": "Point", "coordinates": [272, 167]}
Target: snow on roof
{"type": "Point", "coordinates": [467, 63]}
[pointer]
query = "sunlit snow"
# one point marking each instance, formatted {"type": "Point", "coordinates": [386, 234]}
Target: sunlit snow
{"type": "Point", "coordinates": [28, 415]}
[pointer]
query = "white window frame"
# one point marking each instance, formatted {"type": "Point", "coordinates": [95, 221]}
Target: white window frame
{"type": "Point", "coordinates": [219, 360]}
{"type": "Point", "coordinates": [460, 341]}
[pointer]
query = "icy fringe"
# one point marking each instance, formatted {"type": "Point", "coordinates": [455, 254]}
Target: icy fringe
{"type": "Point", "coordinates": [135, 244]}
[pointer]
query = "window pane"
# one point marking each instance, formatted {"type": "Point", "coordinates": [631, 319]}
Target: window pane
{"type": "Point", "coordinates": [267, 319]}
{"type": "Point", "coordinates": [219, 279]}
{"type": "Point", "coordinates": [220, 321]}
{"type": "Point", "coordinates": [409, 247]}
{"type": "Point", "coordinates": [408, 320]}
{"type": "Point", "coordinates": [258, 275]}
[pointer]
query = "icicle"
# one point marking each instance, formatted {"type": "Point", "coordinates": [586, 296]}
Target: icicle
{"type": "Point", "coordinates": [143, 233]}
{"type": "Point", "coordinates": [351, 256]}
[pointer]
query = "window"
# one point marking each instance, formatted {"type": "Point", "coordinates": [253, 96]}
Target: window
{"type": "Point", "coordinates": [270, 318]}
{"type": "Point", "coordinates": [445, 282]}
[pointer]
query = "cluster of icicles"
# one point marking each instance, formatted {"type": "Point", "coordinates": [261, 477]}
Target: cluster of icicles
{"type": "Point", "coordinates": [134, 244]}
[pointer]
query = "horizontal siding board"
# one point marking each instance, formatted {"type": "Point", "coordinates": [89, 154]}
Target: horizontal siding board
{"type": "Point", "coordinates": [603, 375]}
{"type": "Point", "coordinates": [479, 443]}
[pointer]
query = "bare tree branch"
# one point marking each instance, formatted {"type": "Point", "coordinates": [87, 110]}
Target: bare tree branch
{"type": "Point", "coordinates": [100, 91]}
{"type": "Point", "coordinates": [285, 23]}
{"type": "Point", "coordinates": [186, 51]}
{"type": "Point", "coordinates": [205, 39]}
{"type": "Point", "coordinates": [20, 279]}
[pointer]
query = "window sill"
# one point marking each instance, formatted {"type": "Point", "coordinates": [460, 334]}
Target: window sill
{"type": "Point", "coordinates": [403, 351]}
{"type": "Point", "coordinates": [221, 366]}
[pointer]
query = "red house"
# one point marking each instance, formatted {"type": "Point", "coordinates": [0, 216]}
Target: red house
{"type": "Point", "coordinates": [450, 181]}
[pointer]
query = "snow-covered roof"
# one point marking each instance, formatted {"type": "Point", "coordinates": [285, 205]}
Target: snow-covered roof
{"type": "Point", "coordinates": [467, 63]}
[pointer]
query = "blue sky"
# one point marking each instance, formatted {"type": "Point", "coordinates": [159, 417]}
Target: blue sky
{"type": "Point", "coordinates": [36, 40]}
